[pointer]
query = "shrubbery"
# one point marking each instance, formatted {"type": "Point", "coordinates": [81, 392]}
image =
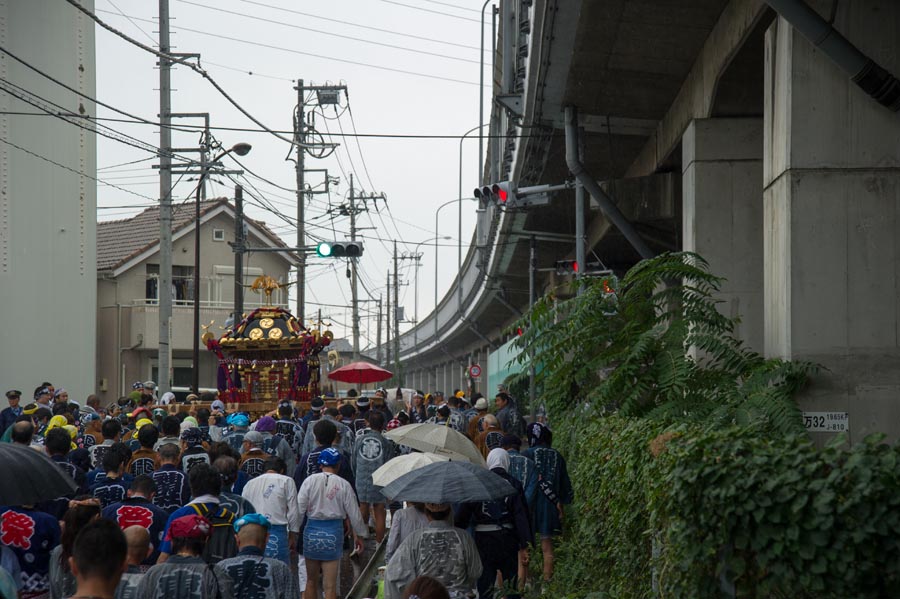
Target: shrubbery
{"type": "Point", "coordinates": [693, 475]}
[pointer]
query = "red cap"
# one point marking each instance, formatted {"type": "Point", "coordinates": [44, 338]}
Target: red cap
{"type": "Point", "coordinates": [189, 527]}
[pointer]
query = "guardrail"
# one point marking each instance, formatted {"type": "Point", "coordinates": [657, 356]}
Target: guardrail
{"type": "Point", "coordinates": [362, 588]}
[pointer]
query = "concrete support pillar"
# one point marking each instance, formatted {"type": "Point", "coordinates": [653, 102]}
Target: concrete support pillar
{"type": "Point", "coordinates": [723, 212]}
{"type": "Point", "coordinates": [832, 219]}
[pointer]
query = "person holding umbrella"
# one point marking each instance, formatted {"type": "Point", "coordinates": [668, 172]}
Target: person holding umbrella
{"type": "Point", "coordinates": [502, 529]}
{"type": "Point", "coordinates": [326, 500]}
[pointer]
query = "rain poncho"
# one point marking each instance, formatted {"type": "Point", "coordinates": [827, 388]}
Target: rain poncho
{"type": "Point", "coordinates": [439, 550]}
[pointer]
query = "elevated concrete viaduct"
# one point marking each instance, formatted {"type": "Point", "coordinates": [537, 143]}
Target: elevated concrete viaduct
{"type": "Point", "coordinates": [717, 127]}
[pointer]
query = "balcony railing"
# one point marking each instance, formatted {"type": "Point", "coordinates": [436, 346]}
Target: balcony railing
{"type": "Point", "coordinates": [215, 293]}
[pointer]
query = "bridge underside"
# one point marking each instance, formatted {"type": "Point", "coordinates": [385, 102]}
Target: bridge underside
{"type": "Point", "coordinates": [717, 128]}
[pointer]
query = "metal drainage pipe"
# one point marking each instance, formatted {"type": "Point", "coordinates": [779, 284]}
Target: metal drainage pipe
{"type": "Point", "coordinates": [590, 184]}
{"type": "Point", "coordinates": [874, 79]}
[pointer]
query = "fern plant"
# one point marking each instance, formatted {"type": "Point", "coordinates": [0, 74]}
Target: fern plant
{"type": "Point", "coordinates": [654, 345]}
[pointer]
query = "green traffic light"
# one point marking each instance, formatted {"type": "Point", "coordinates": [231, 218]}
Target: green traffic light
{"type": "Point", "coordinates": [323, 249]}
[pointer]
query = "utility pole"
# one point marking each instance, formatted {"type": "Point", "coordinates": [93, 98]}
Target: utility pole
{"type": "Point", "coordinates": [354, 301]}
{"type": "Point", "coordinates": [325, 95]}
{"type": "Point", "coordinates": [396, 312]}
{"type": "Point", "coordinates": [164, 288]}
{"type": "Point", "coordinates": [238, 255]}
{"type": "Point", "coordinates": [388, 321]}
{"type": "Point", "coordinates": [378, 333]}
{"type": "Point", "coordinates": [300, 139]}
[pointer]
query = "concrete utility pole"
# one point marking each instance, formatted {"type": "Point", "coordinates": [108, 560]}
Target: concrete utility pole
{"type": "Point", "coordinates": [396, 311]}
{"type": "Point", "coordinates": [378, 333]}
{"type": "Point", "coordinates": [164, 287]}
{"type": "Point", "coordinates": [354, 297]}
{"type": "Point", "coordinates": [239, 243]}
{"type": "Point", "coordinates": [300, 138]}
{"type": "Point", "coordinates": [387, 327]}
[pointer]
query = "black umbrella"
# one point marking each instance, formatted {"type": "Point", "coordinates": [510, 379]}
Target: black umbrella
{"type": "Point", "coordinates": [448, 482]}
{"type": "Point", "coordinates": [30, 476]}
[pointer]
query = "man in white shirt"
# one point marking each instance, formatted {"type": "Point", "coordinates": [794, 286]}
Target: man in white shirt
{"type": "Point", "coordinates": [274, 495]}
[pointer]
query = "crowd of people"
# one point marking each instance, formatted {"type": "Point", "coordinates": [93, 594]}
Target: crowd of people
{"type": "Point", "coordinates": [194, 502]}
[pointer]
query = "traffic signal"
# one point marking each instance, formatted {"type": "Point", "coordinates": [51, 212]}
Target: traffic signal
{"type": "Point", "coordinates": [503, 193]}
{"type": "Point", "coordinates": [339, 249]}
{"type": "Point", "coordinates": [566, 267]}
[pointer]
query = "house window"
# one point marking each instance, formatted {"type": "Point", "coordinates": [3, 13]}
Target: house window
{"type": "Point", "coordinates": [218, 234]}
{"type": "Point", "coordinates": [182, 283]}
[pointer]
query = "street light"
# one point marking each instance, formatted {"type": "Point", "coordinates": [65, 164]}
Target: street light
{"type": "Point", "coordinates": [416, 256]}
{"type": "Point", "coordinates": [436, 213]}
{"type": "Point", "coordinates": [241, 149]}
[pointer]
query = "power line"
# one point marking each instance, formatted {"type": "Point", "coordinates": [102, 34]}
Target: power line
{"type": "Point", "coordinates": [78, 92]}
{"type": "Point", "coordinates": [338, 35]}
{"type": "Point", "coordinates": [111, 166]}
{"type": "Point", "coordinates": [281, 49]}
{"type": "Point", "coordinates": [72, 170]}
{"type": "Point", "coordinates": [186, 126]}
{"type": "Point", "coordinates": [436, 12]}
{"type": "Point", "coordinates": [456, 6]}
{"type": "Point", "coordinates": [177, 60]}
{"type": "Point", "coordinates": [389, 31]}
{"type": "Point", "coordinates": [66, 116]}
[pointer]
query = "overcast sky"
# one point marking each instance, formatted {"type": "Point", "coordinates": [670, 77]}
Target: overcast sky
{"type": "Point", "coordinates": [411, 67]}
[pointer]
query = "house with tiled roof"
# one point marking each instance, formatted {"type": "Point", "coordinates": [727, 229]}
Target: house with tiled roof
{"type": "Point", "coordinates": [128, 290]}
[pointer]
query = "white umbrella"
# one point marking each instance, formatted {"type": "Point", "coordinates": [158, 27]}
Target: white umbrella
{"type": "Point", "coordinates": [397, 467]}
{"type": "Point", "coordinates": [439, 439]}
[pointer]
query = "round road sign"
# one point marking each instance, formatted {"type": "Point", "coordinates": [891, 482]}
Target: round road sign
{"type": "Point", "coordinates": [474, 371]}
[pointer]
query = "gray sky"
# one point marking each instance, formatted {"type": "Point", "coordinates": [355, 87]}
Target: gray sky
{"type": "Point", "coordinates": [278, 46]}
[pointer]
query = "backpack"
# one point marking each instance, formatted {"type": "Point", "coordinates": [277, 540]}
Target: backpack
{"type": "Point", "coordinates": [221, 543]}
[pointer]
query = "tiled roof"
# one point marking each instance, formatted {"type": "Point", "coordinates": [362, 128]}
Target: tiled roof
{"type": "Point", "coordinates": [120, 240]}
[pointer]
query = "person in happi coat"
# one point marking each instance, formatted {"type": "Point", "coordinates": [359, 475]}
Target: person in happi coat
{"type": "Point", "coordinates": [274, 495]}
{"type": "Point", "coordinates": [554, 490]}
{"type": "Point", "coordinates": [370, 452]}
{"type": "Point", "coordinates": [184, 575]}
{"type": "Point", "coordinates": [253, 575]}
{"type": "Point", "coordinates": [138, 510]}
{"type": "Point", "coordinates": [439, 550]}
{"type": "Point", "coordinates": [403, 523]}
{"type": "Point", "coordinates": [326, 500]}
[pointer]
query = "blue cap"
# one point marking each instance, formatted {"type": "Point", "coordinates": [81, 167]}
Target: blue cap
{"type": "Point", "coordinates": [239, 419]}
{"type": "Point", "coordinates": [329, 457]}
{"type": "Point", "coordinates": [251, 519]}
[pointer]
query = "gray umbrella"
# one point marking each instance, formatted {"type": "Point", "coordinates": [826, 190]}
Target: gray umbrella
{"type": "Point", "coordinates": [448, 482]}
{"type": "Point", "coordinates": [30, 476]}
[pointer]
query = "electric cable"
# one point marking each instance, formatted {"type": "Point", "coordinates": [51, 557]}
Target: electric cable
{"type": "Point", "coordinates": [271, 47]}
{"type": "Point", "coordinates": [177, 60]}
{"type": "Point", "coordinates": [76, 171]}
{"type": "Point", "coordinates": [388, 31]}
{"type": "Point", "coordinates": [436, 12]}
{"type": "Point", "coordinates": [219, 9]}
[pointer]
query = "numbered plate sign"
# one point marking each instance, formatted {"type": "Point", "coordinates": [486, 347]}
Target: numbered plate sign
{"type": "Point", "coordinates": [826, 422]}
